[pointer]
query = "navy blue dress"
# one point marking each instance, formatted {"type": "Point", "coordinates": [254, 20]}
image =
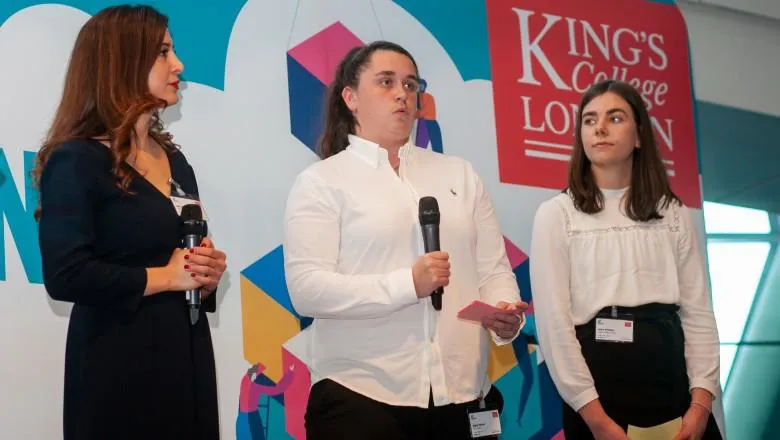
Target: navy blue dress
{"type": "Point", "coordinates": [134, 366]}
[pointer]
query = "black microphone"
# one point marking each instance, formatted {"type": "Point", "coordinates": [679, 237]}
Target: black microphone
{"type": "Point", "coordinates": [429, 222]}
{"type": "Point", "coordinates": [193, 229]}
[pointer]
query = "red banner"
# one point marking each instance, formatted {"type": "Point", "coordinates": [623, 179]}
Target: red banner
{"type": "Point", "coordinates": [544, 55]}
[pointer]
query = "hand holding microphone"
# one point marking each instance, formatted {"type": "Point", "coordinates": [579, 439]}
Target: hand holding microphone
{"type": "Point", "coordinates": [208, 265]}
{"type": "Point", "coordinates": [193, 229]}
{"type": "Point", "coordinates": [178, 274]}
{"type": "Point", "coordinates": [432, 271]}
{"type": "Point", "coordinates": [204, 263]}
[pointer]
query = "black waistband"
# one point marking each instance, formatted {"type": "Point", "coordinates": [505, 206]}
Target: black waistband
{"type": "Point", "coordinates": [645, 311]}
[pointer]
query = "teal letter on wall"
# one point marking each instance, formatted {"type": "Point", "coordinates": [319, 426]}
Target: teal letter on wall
{"type": "Point", "coordinates": [19, 218]}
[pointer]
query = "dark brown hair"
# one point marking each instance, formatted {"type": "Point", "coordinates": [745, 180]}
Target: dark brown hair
{"type": "Point", "coordinates": [339, 120]}
{"type": "Point", "coordinates": [649, 191]}
{"type": "Point", "coordinates": [106, 86]}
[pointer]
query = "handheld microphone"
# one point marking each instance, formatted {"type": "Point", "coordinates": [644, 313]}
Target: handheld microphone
{"type": "Point", "coordinates": [193, 229]}
{"type": "Point", "coordinates": [429, 222]}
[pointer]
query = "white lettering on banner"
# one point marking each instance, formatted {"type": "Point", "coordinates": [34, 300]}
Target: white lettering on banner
{"type": "Point", "coordinates": [567, 116]}
{"type": "Point", "coordinates": [636, 53]}
{"type": "Point", "coordinates": [528, 48]}
{"type": "Point", "coordinates": [622, 47]}
{"type": "Point", "coordinates": [544, 55]}
{"type": "Point", "coordinates": [658, 51]}
{"type": "Point", "coordinates": [628, 55]}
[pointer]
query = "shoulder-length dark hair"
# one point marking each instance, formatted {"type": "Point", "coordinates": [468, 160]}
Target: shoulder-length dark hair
{"type": "Point", "coordinates": [106, 86]}
{"type": "Point", "coordinates": [650, 190]}
{"type": "Point", "coordinates": [339, 120]}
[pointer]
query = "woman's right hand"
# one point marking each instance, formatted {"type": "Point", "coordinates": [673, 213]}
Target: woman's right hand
{"type": "Point", "coordinates": [180, 278]}
{"type": "Point", "coordinates": [608, 430]}
{"type": "Point", "coordinates": [601, 425]}
{"type": "Point", "coordinates": [430, 272]}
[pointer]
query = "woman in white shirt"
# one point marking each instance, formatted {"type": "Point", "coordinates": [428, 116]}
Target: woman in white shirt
{"type": "Point", "coordinates": [620, 291]}
{"type": "Point", "coordinates": [384, 363]}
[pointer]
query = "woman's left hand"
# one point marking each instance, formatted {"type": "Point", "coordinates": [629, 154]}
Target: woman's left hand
{"type": "Point", "coordinates": [694, 423]}
{"type": "Point", "coordinates": [207, 264]}
{"type": "Point", "coordinates": [507, 322]}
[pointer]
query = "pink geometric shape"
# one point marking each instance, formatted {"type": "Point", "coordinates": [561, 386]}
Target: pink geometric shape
{"type": "Point", "coordinates": [296, 396]}
{"type": "Point", "coordinates": [515, 255]}
{"type": "Point", "coordinates": [559, 436]}
{"type": "Point", "coordinates": [321, 53]}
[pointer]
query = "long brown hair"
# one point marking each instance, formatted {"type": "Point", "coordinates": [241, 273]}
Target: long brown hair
{"type": "Point", "coordinates": [650, 190]}
{"type": "Point", "coordinates": [339, 120]}
{"type": "Point", "coordinates": [106, 86]}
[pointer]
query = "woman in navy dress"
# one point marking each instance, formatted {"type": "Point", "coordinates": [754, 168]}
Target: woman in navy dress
{"type": "Point", "coordinates": [135, 367]}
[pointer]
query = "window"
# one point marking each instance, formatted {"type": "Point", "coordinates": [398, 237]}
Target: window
{"type": "Point", "coordinates": [726, 219]}
{"type": "Point", "coordinates": [735, 272]}
{"type": "Point", "coordinates": [738, 244]}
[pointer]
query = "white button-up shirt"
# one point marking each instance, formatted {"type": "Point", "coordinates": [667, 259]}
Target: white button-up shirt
{"type": "Point", "coordinates": [581, 263]}
{"type": "Point", "coordinates": [351, 238]}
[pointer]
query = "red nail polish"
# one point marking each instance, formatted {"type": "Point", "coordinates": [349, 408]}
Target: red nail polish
{"type": "Point", "coordinates": [186, 266]}
{"type": "Point", "coordinates": [186, 257]}
{"type": "Point", "coordinates": [192, 250]}
{"type": "Point", "coordinates": [193, 275]}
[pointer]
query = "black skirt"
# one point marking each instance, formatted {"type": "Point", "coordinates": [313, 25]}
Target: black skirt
{"type": "Point", "coordinates": [642, 383]}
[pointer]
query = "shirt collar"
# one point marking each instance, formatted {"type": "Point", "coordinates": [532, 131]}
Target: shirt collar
{"type": "Point", "coordinates": [373, 154]}
{"type": "Point", "coordinates": [610, 193]}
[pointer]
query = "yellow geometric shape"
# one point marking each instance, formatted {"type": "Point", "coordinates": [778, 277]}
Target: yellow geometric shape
{"type": "Point", "coordinates": [266, 326]}
{"type": "Point", "coordinates": [502, 359]}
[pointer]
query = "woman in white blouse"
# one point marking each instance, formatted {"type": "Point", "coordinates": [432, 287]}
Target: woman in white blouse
{"type": "Point", "coordinates": [619, 283]}
{"type": "Point", "coordinates": [384, 363]}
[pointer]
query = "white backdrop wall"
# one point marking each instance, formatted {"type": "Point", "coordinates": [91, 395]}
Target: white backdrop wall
{"type": "Point", "coordinates": [237, 124]}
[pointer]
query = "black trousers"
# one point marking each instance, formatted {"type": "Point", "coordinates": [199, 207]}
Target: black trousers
{"type": "Point", "coordinates": [335, 412]}
{"type": "Point", "coordinates": [644, 383]}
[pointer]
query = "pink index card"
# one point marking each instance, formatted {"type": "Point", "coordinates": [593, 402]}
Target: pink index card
{"type": "Point", "coordinates": [477, 310]}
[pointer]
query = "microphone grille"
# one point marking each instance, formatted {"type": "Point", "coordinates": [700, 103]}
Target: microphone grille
{"type": "Point", "coordinates": [429, 211]}
{"type": "Point", "coordinates": [191, 212]}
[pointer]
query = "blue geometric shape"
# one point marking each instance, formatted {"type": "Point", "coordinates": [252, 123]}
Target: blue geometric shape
{"type": "Point", "coordinates": [276, 423]}
{"type": "Point", "coordinates": [434, 134]}
{"type": "Point", "coordinates": [242, 427]}
{"type": "Point", "coordinates": [523, 275]}
{"type": "Point", "coordinates": [529, 330]}
{"type": "Point", "coordinates": [530, 411]}
{"type": "Point", "coordinates": [521, 417]}
{"type": "Point", "coordinates": [421, 139]}
{"type": "Point", "coordinates": [461, 29]}
{"type": "Point", "coordinates": [267, 273]}
{"type": "Point", "coordinates": [203, 53]}
{"type": "Point", "coordinates": [307, 103]}
{"type": "Point", "coordinates": [269, 421]}
{"type": "Point", "coordinates": [552, 405]}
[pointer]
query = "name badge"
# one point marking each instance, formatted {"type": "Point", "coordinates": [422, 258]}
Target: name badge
{"type": "Point", "coordinates": [484, 423]}
{"type": "Point", "coordinates": [614, 330]}
{"type": "Point", "coordinates": [180, 202]}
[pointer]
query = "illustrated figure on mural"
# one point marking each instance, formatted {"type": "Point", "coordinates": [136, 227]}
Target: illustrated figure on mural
{"type": "Point", "coordinates": [428, 130]}
{"type": "Point", "coordinates": [253, 392]}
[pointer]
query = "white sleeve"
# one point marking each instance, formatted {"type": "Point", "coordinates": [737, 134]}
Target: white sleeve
{"type": "Point", "coordinates": [312, 238]}
{"type": "Point", "coordinates": [550, 272]}
{"type": "Point", "coordinates": [497, 282]}
{"type": "Point", "coordinates": [698, 320]}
